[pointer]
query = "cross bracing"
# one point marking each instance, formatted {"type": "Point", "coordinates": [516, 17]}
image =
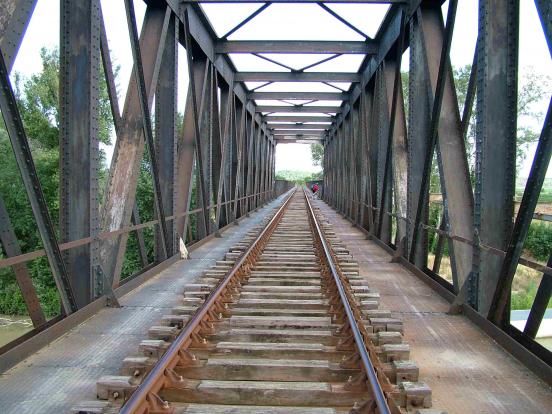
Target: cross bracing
{"type": "Point", "coordinates": [219, 163]}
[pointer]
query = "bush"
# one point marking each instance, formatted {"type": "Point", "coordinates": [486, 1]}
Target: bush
{"type": "Point", "coordinates": [523, 299]}
{"type": "Point", "coordinates": [539, 240]}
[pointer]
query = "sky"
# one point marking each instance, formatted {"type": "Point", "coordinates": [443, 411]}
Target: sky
{"type": "Point", "coordinates": [286, 22]}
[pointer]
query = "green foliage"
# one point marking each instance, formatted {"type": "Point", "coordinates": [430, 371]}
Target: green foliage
{"type": "Point", "coordinates": [297, 176]}
{"type": "Point", "coordinates": [533, 90]}
{"type": "Point", "coordinates": [539, 240]}
{"type": "Point", "coordinates": [144, 200]}
{"type": "Point", "coordinates": [523, 299]}
{"type": "Point", "coordinates": [317, 153]}
{"type": "Point", "coordinates": [37, 99]}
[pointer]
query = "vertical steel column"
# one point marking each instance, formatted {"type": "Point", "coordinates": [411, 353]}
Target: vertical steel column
{"type": "Point", "coordinates": [78, 142]}
{"type": "Point", "coordinates": [247, 161]}
{"type": "Point", "coordinates": [499, 309]}
{"type": "Point", "coordinates": [257, 165]}
{"type": "Point", "coordinates": [203, 189]}
{"type": "Point", "coordinates": [229, 150]}
{"type": "Point", "coordinates": [166, 136]}
{"type": "Point", "coordinates": [383, 200]}
{"type": "Point", "coordinates": [240, 116]}
{"type": "Point", "coordinates": [216, 137]}
{"type": "Point", "coordinates": [419, 108]}
{"type": "Point", "coordinates": [250, 188]}
{"type": "Point", "coordinates": [395, 173]}
{"type": "Point", "coordinates": [399, 158]}
{"type": "Point", "coordinates": [495, 142]}
{"type": "Point", "coordinates": [225, 126]}
{"type": "Point", "coordinates": [235, 149]}
{"type": "Point", "coordinates": [359, 160]}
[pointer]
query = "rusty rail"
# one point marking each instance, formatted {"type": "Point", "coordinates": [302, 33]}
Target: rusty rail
{"type": "Point", "coordinates": [145, 398]}
{"type": "Point", "coordinates": [380, 402]}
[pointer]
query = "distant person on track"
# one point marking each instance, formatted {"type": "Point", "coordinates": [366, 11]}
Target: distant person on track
{"type": "Point", "coordinates": [315, 190]}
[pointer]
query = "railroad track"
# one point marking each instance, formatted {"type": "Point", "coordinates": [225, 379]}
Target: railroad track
{"type": "Point", "coordinates": [284, 324]}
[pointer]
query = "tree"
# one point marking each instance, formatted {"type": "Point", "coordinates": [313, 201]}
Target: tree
{"type": "Point", "coordinates": [37, 99]}
{"type": "Point", "coordinates": [317, 153]}
{"type": "Point", "coordinates": [533, 90]}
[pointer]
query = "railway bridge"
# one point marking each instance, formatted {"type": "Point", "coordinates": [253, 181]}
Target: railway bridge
{"type": "Point", "coordinates": [249, 294]}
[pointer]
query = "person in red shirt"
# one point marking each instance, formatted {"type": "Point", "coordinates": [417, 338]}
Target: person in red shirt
{"type": "Point", "coordinates": [315, 189]}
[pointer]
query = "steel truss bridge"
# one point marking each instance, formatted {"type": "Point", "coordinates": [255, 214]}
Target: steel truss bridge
{"type": "Point", "coordinates": [218, 164]}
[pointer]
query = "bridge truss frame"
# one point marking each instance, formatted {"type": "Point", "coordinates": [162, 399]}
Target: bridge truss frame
{"type": "Point", "coordinates": [376, 169]}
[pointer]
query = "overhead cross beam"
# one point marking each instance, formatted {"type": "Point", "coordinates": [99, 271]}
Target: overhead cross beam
{"type": "Point", "coordinates": [325, 96]}
{"type": "Point", "coordinates": [296, 118]}
{"type": "Point", "coordinates": [298, 108]}
{"type": "Point", "coordinates": [292, 46]}
{"type": "Point", "coordinates": [296, 77]}
{"type": "Point", "coordinates": [301, 1]}
{"type": "Point", "coordinates": [298, 126]}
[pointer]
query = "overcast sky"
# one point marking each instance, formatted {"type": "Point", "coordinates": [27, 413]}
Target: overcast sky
{"type": "Point", "coordinates": [279, 22]}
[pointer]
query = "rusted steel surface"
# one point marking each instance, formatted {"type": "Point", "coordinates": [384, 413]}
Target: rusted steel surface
{"type": "Point", "coordinates": [282, 325]}
{"type": "Point", "coordinates": [144, 398]}
{"type": "Point", "coordinates": [343, 298]}
{"type": "Point", "coordinates": [468, 372]}
{"type": "Point", "coordinates": [65, 371]}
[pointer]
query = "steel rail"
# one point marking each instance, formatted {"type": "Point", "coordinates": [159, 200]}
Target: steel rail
{"type": "Point", "coordinates": [155, 379]}
{"type": "Point", "coordinates": [377, 392]}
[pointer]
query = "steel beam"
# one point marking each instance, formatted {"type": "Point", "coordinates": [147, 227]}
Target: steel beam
{"type": "Point", "coordinates": [544, 8]}
{"type": "Point", "coordinates": [540, 304]}
{"type": "Point", "coordinates": [78, 142]}
{"type": "Point", "coordinates": [301, 1]}
{"type": "Point", "coordinates": [297, 131]}
{"type": "Point", "coordinates": [453, 167]}
{"type": "Point", "coordinates": [304, 134]}
{"type": "Point", "coordinates": [240, 121]}
{"type": "Point", "coordinates": [495, 141]}
{"type": "Point", "coordinates": [125, 165]}
{"type": "Point", "coordinates": [29, 176]}
{"type": "Point", "coordinates": [185, 164]}
{"type": "Point", "coordinates": [166, 137]}
{"type": "Point", "coordinates": [135, 220]}
{"type": "Point", "coordinates": [293, 118]}
{"type": "Point", "coordinates": [298, 109]}
{"type": "Point", "coordinates": [296, 77]}
{"type": "Point", "coordinates": [499, 309]}
{"type": "Point", "coordinates": [297, 141]}
{"type": "Point", "coordinates": [383, 187]}
{"type": "Point", "coordinates": [418, 127]}
{"type": "Point", "coordinates": [22, 275]}
{"type": "Point", "coordinates": [320, 127]}
{"type": "Point", "coordinates": [307, 46]}
{"type": "Point", "coordinates": [395, 139]}
{"type": "Point", "coordinates": [147, 122]}
{"type": "Point", "coordinates": [307, 96]}
{"type": "Point", "coordinates": [205, 38]}
{"type": "Point", "coordinates": [14, 19]}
